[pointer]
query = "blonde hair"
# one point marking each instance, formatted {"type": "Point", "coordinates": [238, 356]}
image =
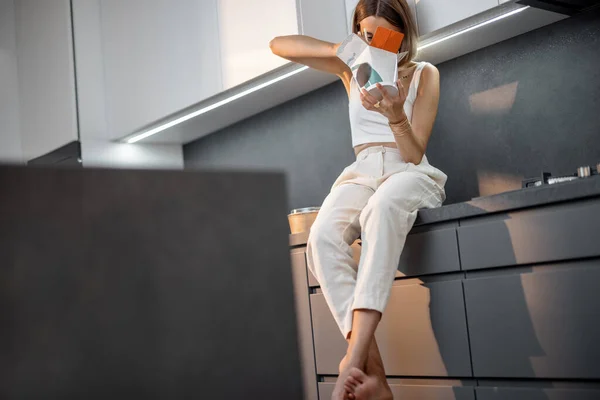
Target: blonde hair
{"type": "Point", "coordinates": [397, 13]}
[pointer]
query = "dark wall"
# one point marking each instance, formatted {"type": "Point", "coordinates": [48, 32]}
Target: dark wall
{"type": "Point", "coordinates": [482, 137]}
{"type": "Point", "coordinates": [508, 111]}
{"type": "Point", "coordinates": [308, 138]}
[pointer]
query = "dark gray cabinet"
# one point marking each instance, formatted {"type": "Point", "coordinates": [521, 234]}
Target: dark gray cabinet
{"type": "Point", "coordinates": [427, 252]}
{"type": "Point", "coordinates": [303, 318]}
{"type": "Point", "coordinates": [414, 392]}
{"type": "Point", "coordinates": [423, 332]}
{"type": "Point", "coordinates": [536, 324]}
{"type": "Point", "coordinates": [494, 393]}
{"type": "Point", "coordinates": [431, 252]}
{"type": "Point", "coordinates": [499, 299]}
{"type": "Point", "coordinates": [312, 281]}
{"type": "Point", "coordinates": [527, 237]}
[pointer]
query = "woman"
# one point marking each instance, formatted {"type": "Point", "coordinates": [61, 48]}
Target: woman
{"type": "Point", "coordinates": [378, 196]}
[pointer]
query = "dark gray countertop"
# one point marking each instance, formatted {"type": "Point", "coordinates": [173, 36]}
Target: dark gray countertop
{"type": "Point", "coordinates": [518, 199]}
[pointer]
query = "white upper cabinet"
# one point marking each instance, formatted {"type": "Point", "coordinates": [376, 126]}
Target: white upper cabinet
{"type": "Point", "coordinates": [324, 19]}
{"type": "Point", "coordinates": [245, 29]}
{"type": "Point", "coordinates": [159, 56]}
{"type": "Point", "coordinates": [351, 5]}
{"type": "Point", "coordinates": [437, 14]}
{"type": "Point", "coordinates": [48, 111]}
{"type": "Point", "coordinates": [10, 139]}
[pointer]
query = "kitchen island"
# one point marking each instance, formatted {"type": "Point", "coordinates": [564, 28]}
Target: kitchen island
{"type": "Point", "coordinates": [495, 298]}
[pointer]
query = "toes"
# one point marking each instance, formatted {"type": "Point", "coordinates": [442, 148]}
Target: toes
{"type": "Point", "coordinates": [350, 380]}
{"type": "Point", "coordinates": [358, 375]}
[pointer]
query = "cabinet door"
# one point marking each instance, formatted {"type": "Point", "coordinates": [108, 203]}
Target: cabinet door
{"type": "Point", "coordinates": [425, 253]}
{"type": "Point", "coordinates": [409, 392]}
{"type": "Point", "coordinates": [536, 325]}
{"type": "Point", "coordinates": [305, 334]}
{"type": "Point", "coordinates": [159, 56]}
{"type": "Point", "coordinates": [561, 233]}
{"type": "Point", "coordinates": [10, 139]}
{"type": "Point", "coordinates": [437, 14]}
{"type": "Point", "coordinates": [431, 252]}
{"type": "Point", "coordinates": [46, 73]}
{"type": "Point", "coordinates": [423, 332]}
{"type": "Point", "coordinates": [351, 5]}
{"type": "Point", "coordinates": [245, 29]}
{"type": "Point", "coordinates": [325, 20]}
{"type": "Point", "coordinates": [494, 393]}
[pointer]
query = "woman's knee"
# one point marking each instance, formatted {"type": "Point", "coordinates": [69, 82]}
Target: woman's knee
{"type": "Point", "coordinates": [384, 207]}
{"type": "Point", "coordinates": [323, 233]}
{"type": "Point", "coordinates": [402, 193]}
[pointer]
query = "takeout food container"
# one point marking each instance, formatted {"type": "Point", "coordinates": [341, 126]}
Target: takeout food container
{"type": "Point", "coordinates": [301, 219]}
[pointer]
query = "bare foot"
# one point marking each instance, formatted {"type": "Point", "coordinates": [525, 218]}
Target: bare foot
{"type": "Point", "coordinates": [343, 364]}
{"type": "Point", "coordinates": [361, 386]}
{"type": "Point", "coordinates": [339, 392]}
{"type": "Point", "coordinates": [346, 366]}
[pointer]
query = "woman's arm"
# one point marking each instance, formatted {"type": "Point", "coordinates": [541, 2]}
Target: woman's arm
{"type": "Point", "coordinates": [312, 52]}
{"type": "Point", "coordinates": [425, 108]}
{"type": "Point", "coordinates": [411, 137]}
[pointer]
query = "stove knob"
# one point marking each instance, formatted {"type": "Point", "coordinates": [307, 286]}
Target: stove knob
{"type": "Point", "coordinates": [583, 172]}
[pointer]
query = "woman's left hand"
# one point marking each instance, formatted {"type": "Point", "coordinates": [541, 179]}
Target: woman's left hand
{"type": "Point", "coordinates": [391, 106]}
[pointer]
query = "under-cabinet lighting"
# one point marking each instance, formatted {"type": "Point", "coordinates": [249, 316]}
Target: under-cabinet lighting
{"type": "Point", "coordinates": [472, 28]}
{"type": "Point", "coordinates": [143, 135]}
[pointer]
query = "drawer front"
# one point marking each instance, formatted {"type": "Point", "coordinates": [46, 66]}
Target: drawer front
{"type": "Point", "coordinates": [536, 325]}
{"type": "Point", "coordinates": [493, 393]}
{"type": "Point", "coordinates": [413, 392]}
{"type": "Point", "coordinates": [424, 253]}
{"type": "Point", "coordinates": [430, 252]}
{"type": "Point", "coordinates": [532, 237]}
{"type": "Point", "coordinates": [422, 332]}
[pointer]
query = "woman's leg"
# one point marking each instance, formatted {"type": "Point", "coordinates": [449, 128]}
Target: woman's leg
{"type": "Point", "coordinates": [374, 364]}
{"type": "Point", "coordinates": [385, 221]}
{"type": "Point", "coordinates": [365, 323]}
{"type": "Point", "coordinates": [328, 252]}
{"type": "Point", "coordinates": [329, 255]}
{"type": "Point", "coordinates": [372, 383]}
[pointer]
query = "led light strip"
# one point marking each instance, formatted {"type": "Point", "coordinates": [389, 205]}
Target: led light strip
{"type": "Point", "coordinates": [177, 121]}
{"type": "Point", "coordinates": [472, 28]}
{"type": "Point", "coordinates": [211, 107]}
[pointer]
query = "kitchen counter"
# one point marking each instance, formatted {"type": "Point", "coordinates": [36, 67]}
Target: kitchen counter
{"type": "Point", "coordinates": [503, 288]}
{"type": "Point", "coordinates": [502, 202]}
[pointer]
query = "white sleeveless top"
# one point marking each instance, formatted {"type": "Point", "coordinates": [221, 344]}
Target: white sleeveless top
{"type": "Point", "coordinates": [370, 126]}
